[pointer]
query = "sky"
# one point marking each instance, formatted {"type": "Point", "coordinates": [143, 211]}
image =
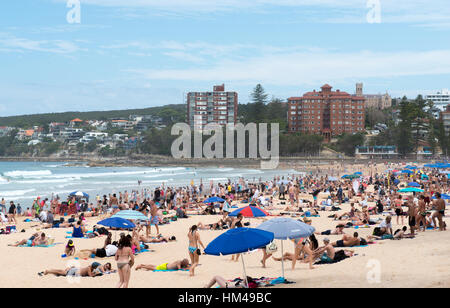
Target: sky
{"type": "Point", "coordinates": [123, 54]}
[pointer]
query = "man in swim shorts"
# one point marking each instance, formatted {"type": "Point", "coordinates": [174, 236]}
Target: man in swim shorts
{"type": "Point", "coordinates": [348, 241]}
{"type": "Point", "coordinates": [439, 205]}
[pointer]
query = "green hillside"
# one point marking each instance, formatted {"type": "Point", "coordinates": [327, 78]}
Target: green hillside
{"type": "Point", "coordinates": [177, 112]}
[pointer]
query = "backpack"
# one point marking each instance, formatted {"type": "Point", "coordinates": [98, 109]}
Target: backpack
{"type": "Point", "coordinates": [271, 248]}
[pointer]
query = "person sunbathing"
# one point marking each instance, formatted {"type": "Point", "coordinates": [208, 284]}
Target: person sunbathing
{"type": "Point", "coordinates": [225, 284]}
{"type": "Point", "coordinates": [174, 266]}
{"type": "Point", "coordinates": [37, 239]}
{"type": "Point", "coordinates": [221, 224]}
{"type": "Point", "coordinates": [348, 241]}
{"type": "Point", "coordinates": [400, 234]}
{"type": "Point", "coordinates": [339, 230]}
{"type": "Point", "coordinates": [88, 271]}
{"type": "Point", "coordinates": [158, 239]}
{"type": "Point", "coordinates": [108, 251]}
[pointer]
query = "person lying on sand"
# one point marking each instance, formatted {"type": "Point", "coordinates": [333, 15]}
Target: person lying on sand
{"type": "Point", "coordinates": [339, 230]}
{"type": "Point", "coordinates": [348, 241]}
{"type": "Point", "coordinates": [400, 233]}
{"type": "Point", "coordinates": [37, 239]}
{"type": "Point", "coordinates": [88, 271]}
{"type": "Point", "coordinates": [108, 251]}
{"type": "Point", "coordinates": [225, 284]}
{"type": "Point", "coordinates": [158, 239]}
{"type": "Point", "coordinates": [177, 265]}
{"type": "Point", "coordinates": [220, 225]}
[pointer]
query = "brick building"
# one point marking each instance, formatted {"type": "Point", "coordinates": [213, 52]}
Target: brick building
{"type": "Point", "coordinates": [212, 107]}
{"type": "Point", "coordinates": [326, 112]}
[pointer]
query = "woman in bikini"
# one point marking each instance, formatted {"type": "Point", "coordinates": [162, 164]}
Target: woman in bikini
{"type": "Point", "coordinates": [194, 251]}
{"type": "Point", "coordinates": [125, 260]}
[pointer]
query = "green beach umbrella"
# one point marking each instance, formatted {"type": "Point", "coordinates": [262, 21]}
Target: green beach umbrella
{"type": "Point", "coordinates": [410, 189]}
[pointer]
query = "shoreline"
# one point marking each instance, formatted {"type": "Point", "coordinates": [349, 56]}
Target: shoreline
{"type": "Point", "coordinates": [158, 160]}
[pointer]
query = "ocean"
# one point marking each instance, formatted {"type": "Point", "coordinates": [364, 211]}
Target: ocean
{"type": "Point", "coordinates": [22, 182]}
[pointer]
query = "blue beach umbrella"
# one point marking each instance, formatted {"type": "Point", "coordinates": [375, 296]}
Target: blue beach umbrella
{"type": "Point", "coordinates": [130, 215]}
{"type": "Point", "coordinates": [414, 184]}
{"type": "Point", "coordinates": [286, 228]}
{"type": "Point", "coordinates": [213, 199]}
{"type": "Point", "coordinates": [411, 167]}
{"type": "Point", "coordinates": [358, 173]}
{"type": "Point", "coordinates": [407, 171]}
{"type": "Point", "coordinates": [79, 194]}
{"type": "Point", "coordinates": [239, 240]}
{"type": "Point", "coordinates": [117, 222]}
{"type": "Point", "coordinates": [443, 196]}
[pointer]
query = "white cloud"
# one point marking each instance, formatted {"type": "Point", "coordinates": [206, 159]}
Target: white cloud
{"type": "Point", "coordinates": [180, 55]}
{"type": "Point", "coordinates": [14, 44]}
{"type": "Point", "coordinates": [324, 11]}
{"type": "Point", "coordinates": [290, 69]}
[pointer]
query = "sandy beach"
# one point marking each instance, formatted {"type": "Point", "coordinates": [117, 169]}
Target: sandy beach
{"type": "Point", "coordinates": [420, 262]}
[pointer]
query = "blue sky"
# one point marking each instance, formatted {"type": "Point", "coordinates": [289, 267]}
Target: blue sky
{"type": "Point", "coordinates": [144, 53]}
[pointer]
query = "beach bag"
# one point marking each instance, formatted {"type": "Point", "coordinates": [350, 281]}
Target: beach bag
{"type": "Point", "coordinates": [271, 248]}
{"type": "Point", "coordinates": [377, 231]}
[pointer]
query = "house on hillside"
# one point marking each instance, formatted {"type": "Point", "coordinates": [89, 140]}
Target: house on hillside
{"type": "Point", "coordinates": [26, 134]}
{"type": "Point", "coordinates": [5, 130]}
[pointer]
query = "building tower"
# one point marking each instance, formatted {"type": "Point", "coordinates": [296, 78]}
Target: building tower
{"type": "Point", "coordinates": [359, 89]}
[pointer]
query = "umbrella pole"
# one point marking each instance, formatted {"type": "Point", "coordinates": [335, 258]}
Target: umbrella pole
{"type": "Point", "coordinates": [282, 258]}
{"type": "Point", "coordinates": [245, 274]}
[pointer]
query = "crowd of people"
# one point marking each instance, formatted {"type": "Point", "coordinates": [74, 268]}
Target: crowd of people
{"type": "Point", "coordinates": [305, 196]}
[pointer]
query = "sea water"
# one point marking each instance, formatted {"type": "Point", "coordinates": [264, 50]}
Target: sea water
{"type": "Point", "coordinates": [22, 182]}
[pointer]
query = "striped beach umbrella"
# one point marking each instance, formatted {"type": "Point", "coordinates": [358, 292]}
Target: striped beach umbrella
{"type": "Point", "coordinates": [130, 215]}
{"type": "Point", "coordinates": [250, 211]}
{"type": "Point", "coordinates": [79, 194]}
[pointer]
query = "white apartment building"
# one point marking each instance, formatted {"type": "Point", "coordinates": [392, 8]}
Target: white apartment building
{"type": "Point", "coordinates": [440, 99]}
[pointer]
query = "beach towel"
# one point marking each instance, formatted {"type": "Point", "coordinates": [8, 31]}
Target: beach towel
{"type": "Point", "coordinates": [362, 227]}
{"type": "Point", "coordinates": [142, 250]}
{"type": "Point", "coordinates": [183, 269]}
{"type": "Point", "coordinates": [43, 246]}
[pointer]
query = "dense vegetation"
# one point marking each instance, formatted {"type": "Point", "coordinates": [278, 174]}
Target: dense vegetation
{"type": "Point", "coordinates": [167, 113]}
{"type": "Point", "coordinates": [414, 126]}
